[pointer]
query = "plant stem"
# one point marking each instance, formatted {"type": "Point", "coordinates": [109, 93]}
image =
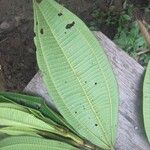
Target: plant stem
{"type": "Point", "coordinates": [66, 133]}
{"type": "Point", "coordinates": [143, 52]}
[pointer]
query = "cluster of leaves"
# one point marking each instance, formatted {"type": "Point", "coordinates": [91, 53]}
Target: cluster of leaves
{"type": "Point", "coordinates": [129, 36]}
{"type": "Point", "coordinates": [29, 115]}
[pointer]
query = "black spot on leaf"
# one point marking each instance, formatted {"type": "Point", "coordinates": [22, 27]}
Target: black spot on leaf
{"type": "Point", "coordinates": [39, 1]}
{"type": "Point", "coordinates": [41, 31]}
{"type": "Point", "coordinates": [95, 83]}
{"type": "Point", "coordinates": [75, 112]}
{"type": "Point", "coordinates": [60, 14]}
{"type": "Point", "coordinates": [96, 125]}
{"type": "Point", "coordinates": [70, 25]}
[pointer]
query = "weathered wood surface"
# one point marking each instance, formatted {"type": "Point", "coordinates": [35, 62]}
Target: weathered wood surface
{"type": "Point", "coordinates": [129, 73]}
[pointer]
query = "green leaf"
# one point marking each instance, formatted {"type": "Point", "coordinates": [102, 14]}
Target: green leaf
{"type": "Point", "coordinates": [33, 143]}
{"type": "Point", "coordinates": [146, 102]}
{"type": "Point", "coordinates": [4, 99]}
{"type": "Point", "coordinates": [12, 116]}
{"type": "Point", "coordinates": [77, 73]}
{"type": "Point", "coordinates": [18, 131]}
{"type": "Point", "coordinates": [36, 103]}
{"type": "Point", "coordinates": [18, 117]}
{"type": "Point", "coordinates": [10, 105]}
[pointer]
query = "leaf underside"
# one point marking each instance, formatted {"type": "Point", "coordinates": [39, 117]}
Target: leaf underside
{"type": "Point", "coordinates": [32, 143]}
{"type": "Point", "coordinates": [19, 120]}
{"type": "Point", "coordinates": [15, 116]}
{"type": "Point", "coordinates": [77, 73]}
{"type": "Point", "coordinates": [146, 102]}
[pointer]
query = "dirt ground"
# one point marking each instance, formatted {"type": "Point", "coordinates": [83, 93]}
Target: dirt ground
{"type": "Point", "coordinates": [17, 50]}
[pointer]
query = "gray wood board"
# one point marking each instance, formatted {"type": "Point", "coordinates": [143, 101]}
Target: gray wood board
{"type": "Point", "coordinates": [129, 74]}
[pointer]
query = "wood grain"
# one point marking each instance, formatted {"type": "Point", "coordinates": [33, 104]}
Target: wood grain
{"type": "Point", "coordinates": [129, 74]}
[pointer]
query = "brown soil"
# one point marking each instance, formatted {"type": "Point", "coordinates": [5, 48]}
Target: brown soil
{"type": "Point", "coordinates": [17, 51]}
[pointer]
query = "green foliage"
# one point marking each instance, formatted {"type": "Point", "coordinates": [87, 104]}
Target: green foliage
{"type": "Point", "coordinates": [80, 80]}
{"type": "Point", "coordinates": [129, 38]}
{"type": "Point", "coordinates": [77, 73]}
{"type": "Point", "coordinates": [146, 102]}
{"type": "Point", "coordinates": [101, 19]}
{"type": "Point", "coordinates": [36, 103]}
{"type": "Point", "coordinates": [33, 143]}
{"type": "Point", "coordinates": [126, 33]}
{"type": "Point", "coordinates": [19, 116]}
{"type": "Point", "coordinates": [25, 119]}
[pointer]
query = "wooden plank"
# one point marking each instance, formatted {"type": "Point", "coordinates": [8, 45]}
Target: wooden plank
{"type": "Point", "coordinates": [129, 73]}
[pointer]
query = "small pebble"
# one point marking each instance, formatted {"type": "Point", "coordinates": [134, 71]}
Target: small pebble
{"type": "Point", "coordinates": [9, 77]}
{"type": "Point", "coordinates": [4, 25]}
{"type": "Point", "coordinates": [30, 50]}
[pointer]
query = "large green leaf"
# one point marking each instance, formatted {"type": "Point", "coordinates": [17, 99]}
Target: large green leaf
{"type": "Point", "coordinates": [77, 73]}
{"type": "Point", "coordinates": [146, 102]}
{"type": "Point", "coordinates": [33, 143]}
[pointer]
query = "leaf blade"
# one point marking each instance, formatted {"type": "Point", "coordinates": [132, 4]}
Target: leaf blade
{"type": "Point", "coordinates": [33, 143]}
{"type": "Point", "coordinates": [10, 116]}
{"type": "Point", "coordinates": [36, 103]}
{"type": "Point", "coordinates": [13, 131]}
{"type": "Point", "coordinates": [146, 101]}
{"type": "Point", "coordinates": [66, 51]}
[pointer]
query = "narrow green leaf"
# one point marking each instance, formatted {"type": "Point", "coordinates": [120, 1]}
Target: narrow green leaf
{"type": "Point", "coordinates": [36, 103]}
{"type": "Point", "coordinates": [33, 143]}
{"type": "Point", "coordinates": [77, 73]}
{"type": "Point", "coordinates": [18, 117]}
{"type": "Point", "coordinates": [146, 102]}
{"type": "Point", "coordinates": [4, 99]}
{"type": "Point", "coordinates": [18, 131]}
{"type": "Point", "coordinates": [10, 105]}
{"type": "Point", "coordinates": [10, 116]}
